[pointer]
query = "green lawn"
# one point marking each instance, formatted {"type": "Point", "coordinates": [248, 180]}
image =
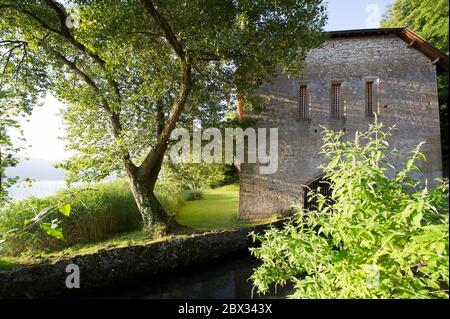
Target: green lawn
{"type": "Point", "coordinates": [216, 210]}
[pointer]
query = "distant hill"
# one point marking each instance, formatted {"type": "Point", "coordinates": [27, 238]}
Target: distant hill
{"type": "Point", "coordinates": [38, 169]}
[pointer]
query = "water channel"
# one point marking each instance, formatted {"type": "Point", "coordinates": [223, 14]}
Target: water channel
{"type": "Point", "coordinates": [224, 278]}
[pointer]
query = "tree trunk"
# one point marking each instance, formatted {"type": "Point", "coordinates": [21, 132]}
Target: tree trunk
{"type": "Point", "coordinates": [148, 205]}
{"type": "Point", "coordinates": [145, 176]}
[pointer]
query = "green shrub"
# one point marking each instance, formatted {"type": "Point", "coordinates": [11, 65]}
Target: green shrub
{"type": "Point", "coordinates": [231, 177]}
{"type": "Point", "coordinates": [171, 201]}
{"type": "Point", "coordinates": [193, 194]}
{"type": "Point", "coordinates": [185, 176]}
{"type": "Point", "coordinates": [98, 211]}
{"type": "Point", "coordinates": [378, 237]}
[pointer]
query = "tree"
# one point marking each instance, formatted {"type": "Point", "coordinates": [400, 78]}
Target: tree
{"type": "Point", "coordinates": [11, 109]}
{"type": "Point", "coordinates": [430, 19]}
{"type": "Point", "coordinates": [7, 152]}
{"type": "Point", "coordinates": [130, 71]}
{"type": "Point", "coordinates": [192, 176]}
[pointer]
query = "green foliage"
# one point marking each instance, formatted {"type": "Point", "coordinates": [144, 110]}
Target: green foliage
{"type": "Point", "coordinates": [50, 229]}
{"type": "Point", "coordinates": [190, 176]}
{"type": "Point", "coordinates": [171, 201]}
{"type": "Point", "coordinates": [230, 176]}
{"type": "Point", "coordinates": [96, 212]}
{"type": "Point", "coordinates": [17, 98]}
{"type": "Point", "coordinates": [11, 109]}
{"type": "Point", "coordinates": [193, 194]}
{"type": "Point", "coordinates": [429, 18]}
{"type": "Point", "coordinates": [44, 218]}
{"type": "Point", "coordinates": [379, 237]}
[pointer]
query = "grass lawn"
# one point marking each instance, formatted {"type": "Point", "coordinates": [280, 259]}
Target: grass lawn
{"type": "Point", "coordinates": [216, 210]}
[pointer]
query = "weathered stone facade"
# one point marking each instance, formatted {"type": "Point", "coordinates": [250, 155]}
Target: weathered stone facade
{"type": "Point", "coordinates": [405, 95]}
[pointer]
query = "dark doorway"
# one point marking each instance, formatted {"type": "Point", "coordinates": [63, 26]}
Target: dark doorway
{"type": "Point", "coordinates": [318, 185]}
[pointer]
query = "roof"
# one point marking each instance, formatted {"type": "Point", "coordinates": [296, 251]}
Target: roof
{"type": "Point", "coordinates": [438, 57]}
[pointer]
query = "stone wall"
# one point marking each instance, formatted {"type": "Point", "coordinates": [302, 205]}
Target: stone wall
{"type": "Point", "coordinates": [405, 95]}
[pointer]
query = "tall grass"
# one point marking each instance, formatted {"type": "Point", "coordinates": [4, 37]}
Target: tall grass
{"type": "Point", "coordinates": [98, 212]}
{"type": "Point", "coordinates": [171, 201]}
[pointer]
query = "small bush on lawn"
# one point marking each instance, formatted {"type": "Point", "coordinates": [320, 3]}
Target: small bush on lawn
{"type": "Point", "coordinates": [193, 194]}
{"type": "Point", "coordinates": [378, 237]}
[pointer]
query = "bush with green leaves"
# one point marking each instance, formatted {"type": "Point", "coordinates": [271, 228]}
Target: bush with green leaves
{"type": "Point", "coordinates": [45, 219]}
{"type": "Point", "coordinates": [193, 194]}
{"type": "Point", "coordinates": [190, 176]}
{"type": "Point", "coordinates": [170, 200]}
{"type": "Point", "coordinates": [378, 237]}
{"type": "Point", "coordinates": [97, 212]}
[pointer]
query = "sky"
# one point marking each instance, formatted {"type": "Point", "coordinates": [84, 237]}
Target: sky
{"type": "Point", "coordinates": [42, 130]}
{"type": "Point", "coordinates": [355, 14]}
{"type": "Point", "coordinates": [45, 125]}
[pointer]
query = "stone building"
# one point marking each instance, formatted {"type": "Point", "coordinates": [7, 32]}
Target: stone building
{"type": "Point", "coordinates": [391, 72]}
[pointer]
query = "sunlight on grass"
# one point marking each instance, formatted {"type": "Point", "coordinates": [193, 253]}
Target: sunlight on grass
{"type": "Point", "coordinates": [216, 210]}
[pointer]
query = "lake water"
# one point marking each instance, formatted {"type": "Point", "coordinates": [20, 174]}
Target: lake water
{"type": "Point", "coordinates": [37, 189]}
{"type": "Point", "coordinates": [224, 278]}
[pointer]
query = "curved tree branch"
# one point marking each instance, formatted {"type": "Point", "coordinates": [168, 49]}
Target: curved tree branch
{"type": "Point", "coordinates": [164, 25]}
{"type": "Point", "coordinates": [64, 31]}
{"type": "Point", "coordinates": [62, 15]}
{"type": "Point", "coordinates": [152, 163]}
{"type": "Point", "coordinates": [72, 66]}
{"type": "Point", "coordinates": [113, 116]}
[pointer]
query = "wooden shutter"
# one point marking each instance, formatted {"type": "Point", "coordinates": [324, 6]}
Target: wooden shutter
{"type": "Point", "coordinates": [303, 105]}
{"type": "Point", "coordinates": [336, 101]}
{"type": "Point", "coordinates": [369, 98]}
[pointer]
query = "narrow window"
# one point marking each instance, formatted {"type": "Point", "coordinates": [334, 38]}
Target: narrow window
{"type": "Point", "coordinates": [336, 101]}
{"type": "Point", "coordinates": [369, 98]}
{"type": "Point", "coordinates": [303, 105]}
